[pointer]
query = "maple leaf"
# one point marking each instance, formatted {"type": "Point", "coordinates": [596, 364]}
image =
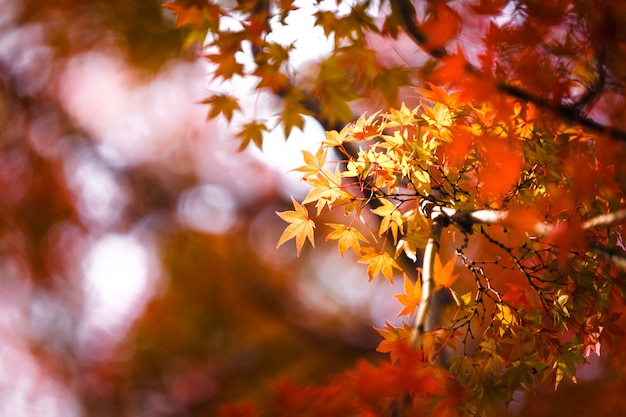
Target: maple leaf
{"type": "Point", "coordinates": [227, 65]}
{"type": "Point", "coordinates": [185, 14]}
{"type": "Point", "coordinates": [565, 365]}
{"type": "Point", "coordinates": [416, 237]}
{"type": "Point", "coordinates": [452, 69]}
{"type": "Point", "coordinates": [197, 13]}
{"type": "Point", "coordinates": [222, 104]}
{"type": "Point", "coordinates": [436, 94]}
{"type": "Point", "coordinates": [300, 226]}
{"type": "Point", "coordinates": [252, 131]}
{"type": "Point", "coordinates": [334, 138]}
{"type": "Point", "coordinates": [378, 262]}
{"type": "Point", "coordinates": [313, 163]}
{"type": "Point", "coordinates": [517, 297]}
{"type": "Point", "coordinates": [388, 81]}
{"type": "Point", "coordinates": [501, 170]}
{"type": "Point", "coordinates": [335, 88]}
{"type": "Point", "coordinates": [293, 111]}
{"type": "Point", "coordinates": [272, 79]}
{"type": "Point", "coordinates": [507, 318]}
{"type": "Point", "coordinates": [366, 128]}
{"type": "Point", "coordinates": [327, 20]}
{"type": "Point", "coordinates": [402, 117]}
{"type": "Point", "coordinates": [285, 6]}
{"type": "Point", "coordinates": [443, 26]}
{"type": "Point", "coordinates": [591, 338]}
{"type": "Point", "coordinates": [348, 237]}
{"type": "Point", "coordinates": [443, 274]}
{"type": "Point", "coordinates": [395, 340]}
{"type": "Point", "coordinates": [411, 297]}
{"type": "Point", "coordinates": [392, 218]}
{"type": "Point", "coordinates": [327, 190]}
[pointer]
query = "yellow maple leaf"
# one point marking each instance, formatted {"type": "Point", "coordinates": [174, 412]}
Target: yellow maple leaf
{"type": "Point", "coordinates": [391, 218]}
{"type": "Point", "coordinates": [507, 318]}
{"type": "Point", "coordinates": [348, 238]}
{"type": "Point", "coordinates": [314, 163]}
{"type": "Point", "coordinates": [402, 117]}
{"type": "Point", "coordinates": [443, 274]}
{"type": "Point", "coordinates": [411, 297]}
{"type": "Point", "coordinates": [337, 139]}
{"type": "Point", "coordinates": [300, 226]}
{"type": "Point", "coordinates": [326, 190]}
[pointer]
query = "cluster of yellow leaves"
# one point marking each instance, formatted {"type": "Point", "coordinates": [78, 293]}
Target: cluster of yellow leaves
{"type": "Point", "coordinates": [477, 156]}
{"type": "Point", "coordinates": [389, 163]}
{"type": "Point", "coordinates": [393, 159]}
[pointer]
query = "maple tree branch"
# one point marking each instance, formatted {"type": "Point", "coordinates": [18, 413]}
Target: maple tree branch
{"type": "Point", "coordinates": [567, 113]}
{"type": "Point", "coordinates": [442, 217]}
{"type": "Point", "coordinates": [610, 254]}
{"type": "Point", "coordinates": [603, 220]}
{"type": "Point", "coordinates": [406, 12]}
{"type": "Point", "coordinates": [572, 114]}
{"type": "Point", "coordinates": [439, 220]}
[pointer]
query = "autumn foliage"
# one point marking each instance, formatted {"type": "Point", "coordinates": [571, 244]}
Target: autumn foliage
{"type": "Point", "coordinates": [497, 179]}
{"type": "Point", "coordinates": [458, 251]}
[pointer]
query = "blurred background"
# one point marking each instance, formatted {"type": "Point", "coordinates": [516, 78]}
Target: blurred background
{"type": "Point", "coordinates": [138, 269]}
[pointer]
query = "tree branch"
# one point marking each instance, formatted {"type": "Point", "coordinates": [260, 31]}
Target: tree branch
{"type": "Point", "coordinates": [610, 254]}
{"type": "Point", "coordinates": [439, 220]}
{"type": "Point", "coordinates": [442, 217]}
{"type": "Point", "coordinates": [605, 220]}
{"type": "Point", "coordinates": [571, 114]}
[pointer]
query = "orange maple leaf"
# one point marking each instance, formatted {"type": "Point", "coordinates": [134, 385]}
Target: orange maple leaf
{"type": "Point", "coordinates": [517, 297]}
{"type": "Point", "coordinates": [411, 297]}
{"type": "Point", "coordinates": [452, 69]}
{"type": "Point", "coordinates": [348, 237]}
{"type": "Point", "coordinates": [501, 169]}
{"type": "Point", "coordinates": [227, 65]}
{"type": "Point", "coordinates": [185, 14]}
{"type": "Point", "coordinates": [443, 274]}
{"type": "Point", "coordinates": [379, 262]}
{"type": "Point", "coordinates": [441, 28]}
{"type": "Point", "coordinates": [395, 340]}
{"type": "Point", "coordinates": [300, 226]}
